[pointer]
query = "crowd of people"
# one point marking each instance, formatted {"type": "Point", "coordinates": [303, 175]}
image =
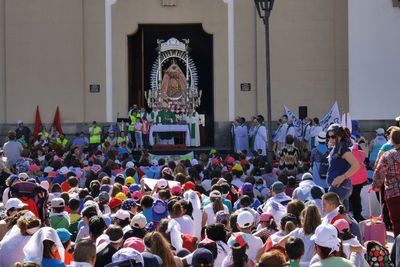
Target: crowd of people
{"type": "Point", "coordinates": [85, 206]}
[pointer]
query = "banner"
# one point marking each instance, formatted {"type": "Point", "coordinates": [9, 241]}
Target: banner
{"type": "Point", "coordinates": [297, 123]}
{"type": "Point", "coordinates": [188, 156]}
{"type": "Point", "coordinates": [332, 116]}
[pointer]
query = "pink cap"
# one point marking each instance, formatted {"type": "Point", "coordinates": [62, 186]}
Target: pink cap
{"type": "Point", "coordinates": [33, 168]}
{"type": "Point", "coordinates": [125, 189]}
{"type": "Point", "coordinates": [135, 243]}
{"type": "Point", "coordinates": [137, 195]}
{"type": "Point", "coordinates": [264, 217]}
{"type": "Point", "coordinates": [230, 160]}
{"type": "Point", "coordinates": [341, 225]}
{"type": "Point", "coordinates": [176, 190]}
{"type": "Point", "coordinates": [214, 161]}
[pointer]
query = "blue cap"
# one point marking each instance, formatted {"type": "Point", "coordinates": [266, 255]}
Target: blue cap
{"type": "Point", "coordinates": [278, 187]}
{"type": "Point", "coordinates": [13, 178]}
{"type": "Point", "coordinates": [159, 210]}
{"type": "Point", "coordinates": [202, 257]}
{"type": "Point", "coordinates": [135, 187]}
{"type": "Point", "coordinates": [128, 203]}
{"type": "Point", "coordinates": [64, 235]}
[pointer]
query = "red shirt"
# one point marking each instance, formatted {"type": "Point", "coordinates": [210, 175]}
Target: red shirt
{"type": "Point", "coordinates": [387, 173]}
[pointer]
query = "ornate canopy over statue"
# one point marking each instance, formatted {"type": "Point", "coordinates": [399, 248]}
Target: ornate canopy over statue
{"type": "Point", "coordinates": [174, 78]}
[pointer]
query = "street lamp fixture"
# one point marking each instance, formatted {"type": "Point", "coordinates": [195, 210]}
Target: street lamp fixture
{"type": "Point", "coordinates": [264, 8]}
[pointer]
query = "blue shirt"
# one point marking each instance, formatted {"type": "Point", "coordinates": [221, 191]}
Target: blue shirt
{"type": "Point", "coordinates": [80, 141]}
{"type": "Point", "coordinates": [59, 179]}
{"type": "Point", "coordinates": [148, 214]}
{"type": "Point", "coordinates": [337, 166]}
{"type": "Point", "coordinates": [52, 263]}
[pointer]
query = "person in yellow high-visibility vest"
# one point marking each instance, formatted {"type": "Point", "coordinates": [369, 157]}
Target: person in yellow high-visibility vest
{"type": "Point", "coordinates": [62, 141]}
{"type": "Point", "coordinates": [95, 136]}
{"type": "Point", "coordinates": [131, 127]}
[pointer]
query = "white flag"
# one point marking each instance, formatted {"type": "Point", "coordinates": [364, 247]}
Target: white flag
{"type": "Point", "coordinates": [296, 122]}
{"type": "Point", "coordinates": [332, 116]}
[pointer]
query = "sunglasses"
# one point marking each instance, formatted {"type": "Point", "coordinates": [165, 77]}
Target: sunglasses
{"type": "Point", "coordinates": [332, 136]}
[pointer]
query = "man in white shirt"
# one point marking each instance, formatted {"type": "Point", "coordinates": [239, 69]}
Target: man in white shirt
{"type": "Point", "coordinates": [314, 132]}
{"type": "Point", "coordinates": [245, 223]}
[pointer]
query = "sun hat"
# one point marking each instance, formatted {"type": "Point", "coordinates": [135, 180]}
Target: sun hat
{"type": "Point", "coordinates": [230, 160]}
{"type": "Point", "coordinates": [139, 221]}
{"type": "Point", "coordinates": [326, 235]}
{"type": "Point", "coordinates": [341, 225]}
{"type": "Point", "coordinates": [215, 194]}
{"type": "Point", "coordinates": [135, 243]}
{"type": "Point", "coordinates": [245, 219]}
{"type": "Point", "coordinates": [238, 240]}
{"type": "Point", "coordinates": [14, 203]}
{"type": "Point", "coordinates": [321, 138]}
{"type": "Point", "coordinates": [202, 257]}
{"type": "Point", "coordinates": [159, 210]}
{"type": "Point", "coordinates": [278, 187]}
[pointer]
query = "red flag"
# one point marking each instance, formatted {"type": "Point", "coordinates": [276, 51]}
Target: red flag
{"type": "Point", "coordinates": [38, 124]}
{"type": "Point", "coordinates": [57, 121]}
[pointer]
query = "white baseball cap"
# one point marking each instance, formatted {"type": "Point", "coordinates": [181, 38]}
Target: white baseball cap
{"type": "Point", "coordinates": [162, 183]}
{"type": "Point", "coordinates": [122, 214]}
{"type": "Point", "coordinates": [154, 162]}
{"type": "Point", "coordinates": [326, 235]}
{"type": "Point", "coordinates": [380, 131]}
{"type": "Point", "coordinates": [307, 176]}
{"type": "Point", "coordinates": [19, 122]}
{"type": "Point", "coordinates": [138, 221]}
{"type": "Point", "coordinates": [245, 219]}
{"type": "Point", "coordinates": [15, 203]}
{"type": "Point", "coordinates": [64, 170]}
{"type": "Point", "coordinates": [130, 165]}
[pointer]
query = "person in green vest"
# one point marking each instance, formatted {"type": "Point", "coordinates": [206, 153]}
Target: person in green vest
{"type": "Point", "coordinates": [131, 127]}
{"type": "Point", "coordinates": [193, 121]}
{"type": "Point", "coordinates": [166, 116]}
{"type": "Point", "coordinates": [62, 141]}
{"type": "Point", "coordinates": [43, 135]}
{"type": "Point", "coordinates": [95, 136]}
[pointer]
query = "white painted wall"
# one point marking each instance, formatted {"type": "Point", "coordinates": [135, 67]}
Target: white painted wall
{"type": "Point", "coordinates": [374, 59]}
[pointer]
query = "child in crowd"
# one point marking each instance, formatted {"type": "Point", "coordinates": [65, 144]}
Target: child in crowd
{"type": "Point", "coordinates": [295, 250]}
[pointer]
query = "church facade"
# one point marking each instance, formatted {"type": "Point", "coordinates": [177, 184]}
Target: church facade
{"type": "Point", "coordinates": [93, 58]}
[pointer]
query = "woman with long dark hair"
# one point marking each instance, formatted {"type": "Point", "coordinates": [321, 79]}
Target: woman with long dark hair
{"type": "Point", "coordinates": [342, 163]}
{"type": "Point", "coordinates": [238, 243]}
{"type": "Point", "coordinates": [211, 209]}
{"type": "Point", "coordinates": [158, 245]}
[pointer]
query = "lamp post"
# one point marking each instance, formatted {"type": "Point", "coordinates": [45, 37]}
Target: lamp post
{"type": "Point", "coordinates": [264, 8]}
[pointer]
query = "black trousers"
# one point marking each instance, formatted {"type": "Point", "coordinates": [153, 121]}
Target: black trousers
{"type": "Point", "coordinates": [355, 201]}
{"type": "Point", "coordinates": [385, 211]}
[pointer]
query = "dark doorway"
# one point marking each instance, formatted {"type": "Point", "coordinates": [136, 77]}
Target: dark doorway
{"type": "Point", "coordinates": [142, 55]}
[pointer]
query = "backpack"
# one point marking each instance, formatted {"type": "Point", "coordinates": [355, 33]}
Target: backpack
{"type": "Point", "coordinates": [323, 167]}
{"type": "Point", "coordinates": [34, 195]}
{"type": "Point", "coordinates": [377, 255]}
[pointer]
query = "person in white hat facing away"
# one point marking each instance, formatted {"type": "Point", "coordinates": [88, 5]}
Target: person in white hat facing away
{"type": "Point", "coordinates": [245, 223]}
{"type": "Point", "coordinates": [376, 145]}
{"type": "Point", "coordinates": [319, 160]}
{"type": "Point", "coordinates": [327, 247]}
